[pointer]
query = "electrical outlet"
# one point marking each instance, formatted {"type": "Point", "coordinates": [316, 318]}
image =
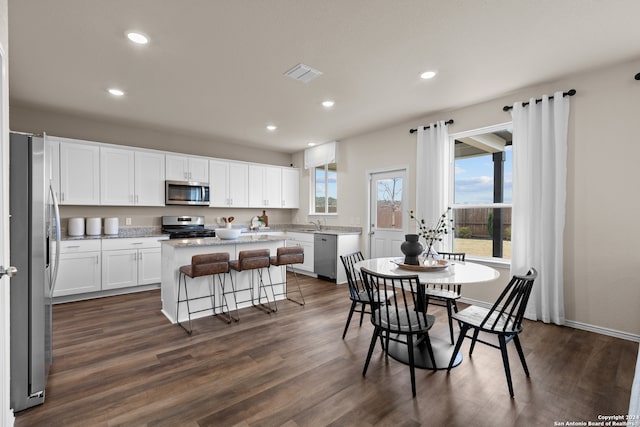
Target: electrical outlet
{"type": "Point", "coordinates": [127, 221]}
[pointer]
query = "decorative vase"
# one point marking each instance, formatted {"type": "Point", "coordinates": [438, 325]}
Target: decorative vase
{"type": "Point", "coordinates": [411, 248]}
{"type": "Point", "coordinates": [430, 256]}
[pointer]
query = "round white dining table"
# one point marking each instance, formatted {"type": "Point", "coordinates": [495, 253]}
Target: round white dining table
{"type": "Point", "coordinates": [456, 272]}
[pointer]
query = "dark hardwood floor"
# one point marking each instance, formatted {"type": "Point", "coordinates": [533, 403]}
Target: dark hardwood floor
{"type": "Point", "coordinates": [118, 361]}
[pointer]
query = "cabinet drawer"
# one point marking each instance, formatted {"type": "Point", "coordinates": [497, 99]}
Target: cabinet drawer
{"type": "Point", "coordinates": [131, 243]}
{"type": "Point", "coordinates": [301, 237]}
{"type": "Point", "coordinates": [71, 246]}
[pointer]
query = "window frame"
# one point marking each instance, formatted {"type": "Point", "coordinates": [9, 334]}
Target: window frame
{"type": "Point", "coordinates": [312, 192]}
{"type": "Point", "coordinates": [496, 261]}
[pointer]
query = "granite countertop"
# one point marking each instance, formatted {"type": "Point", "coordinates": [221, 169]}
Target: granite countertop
{"type": "Point", "coordinates": [124, 232]}
{"type": "Point", "coordinates": [139, 232]}
{"type": "Point", "coordinates": [216, 241]}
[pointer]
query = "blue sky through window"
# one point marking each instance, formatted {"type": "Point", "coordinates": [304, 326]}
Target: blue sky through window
{"type": "Point", "coordinates": [474, 179]}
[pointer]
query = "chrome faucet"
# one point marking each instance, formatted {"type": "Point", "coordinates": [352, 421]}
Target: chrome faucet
{"type": "Point", "coordinates": [316, 224]}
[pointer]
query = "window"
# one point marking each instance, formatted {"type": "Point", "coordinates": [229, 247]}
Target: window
{"type": "Point", "coordinates": [482, 192]}
{"type": "Point", "coordinates": [325, 185]}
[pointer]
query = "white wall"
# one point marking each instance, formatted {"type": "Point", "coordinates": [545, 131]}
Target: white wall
{"type": "Point", "coordinates": [602, 235]}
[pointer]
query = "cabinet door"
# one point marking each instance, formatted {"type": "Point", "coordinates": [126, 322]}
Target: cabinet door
{"type": "Point", "coordinates": [177, 168]}
{"type": "Point", "coordinates": [149, 179]}
{"type": "Point", "coordinates": [117, 176]}
{"type": "Point", "coordinates": [78, 273]}
{"type": "Point", "coordinates": [149, 268]}
{"type": "Point", "coordinates": [273, 186]}
{"type": "Point", "coordinates": [52, 162]}
{"type": "Point", "coordinates": [256, 186]}
{"type": "Point", "coordinates": [79, 174]}
{"type": "Point", "coordinates": [290, 188]}
{"type": "Point", "coordinates": [198, 169]}
{"type": "Point", "coordinates": [119, 268]}
{"type": "Point", "coordinates": [238, 185]}
{"type": "Point", "coordinates": [218, 183]}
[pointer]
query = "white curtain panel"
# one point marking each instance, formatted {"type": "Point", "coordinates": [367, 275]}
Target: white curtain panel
{"type": "Point", "coordinates": [539, 194]}
{"type": "Point", "coordinates": [433, 165]}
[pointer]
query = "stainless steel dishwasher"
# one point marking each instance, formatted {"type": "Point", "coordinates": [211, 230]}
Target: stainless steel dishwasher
{"type": "Point", "coordinates": [325, 255]}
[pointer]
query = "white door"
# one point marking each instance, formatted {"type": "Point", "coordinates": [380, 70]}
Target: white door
{"type": "Point", "coordinates": [218, 183]}
{"type": "Point", "coordinates": [238, 185]}
{"type": "Point", "coordinates": [388, 212]}
{"type": "Point", "coordinates": [149, 179]}
{"type": "Point", "coordinates": [149, 267]}
{"type": "Point", "coordinates": [119, 268]}
{"type": "Point", "coordinates": [79, 174]}
{"type": "Point", "coordinates": [290, 188]}
{"type": "Point", "coordinates": [198, 169]}
{"type": "Point", "coordinates": [6, 416]}
{"type": "Point", "coordinates": [117, 176]}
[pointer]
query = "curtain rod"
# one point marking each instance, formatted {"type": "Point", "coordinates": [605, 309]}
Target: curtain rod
{"type": "Point", "coordinates": [638, 76]}
{"type": "Point", "coordinates": [570, 92]}
{"type": "Point", "coordinates": [448, 122]}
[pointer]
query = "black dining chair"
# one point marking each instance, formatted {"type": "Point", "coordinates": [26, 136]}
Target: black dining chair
{"type": "Point", "coordinates": [445, 295]}
{"type": "Point", "coordinates": [503, 319]}
{"type": "Point", "coordinates": [357, 293]}
{"type": "Point", "coordinates": [399, 319]}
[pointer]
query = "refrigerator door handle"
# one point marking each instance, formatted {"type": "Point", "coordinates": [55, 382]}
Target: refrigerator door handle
{"type": "Point", "coordinates": [56, 213]}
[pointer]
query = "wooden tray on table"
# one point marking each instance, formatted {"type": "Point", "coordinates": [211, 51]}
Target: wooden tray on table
{"type": "Point", "coordinates": [441, 265]}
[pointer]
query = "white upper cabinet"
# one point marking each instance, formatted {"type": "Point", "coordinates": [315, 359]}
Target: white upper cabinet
{"type": "Point", "coordinates": [186, 168]}
{"type": "Point", "coordinates": [52, 165]}
{"type": "Point", "coordinates": [149, 178]}
{"type": "Point", "coordinates": [129, 177]}
{"type": "Point", "coordinates": [229, 184]}
{"type": "Point", "coordinates": [117, 178]}
{"type": "Point", "coordinates": [290, 188]}
{"type": "Point", "coordinates": [265, 186]}
{"type": "Point", "coordinates": [79, 173]}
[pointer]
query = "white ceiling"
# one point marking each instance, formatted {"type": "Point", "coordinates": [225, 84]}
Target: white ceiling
{"type": "Point", "coordinates": [215, 67]}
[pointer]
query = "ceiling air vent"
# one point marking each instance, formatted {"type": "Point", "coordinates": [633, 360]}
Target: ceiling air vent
{"type": "Point", "coordinates": [303, 73]}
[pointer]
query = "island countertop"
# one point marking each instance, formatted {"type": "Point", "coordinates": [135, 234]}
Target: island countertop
{"type": "Point", "coordinates": [216, 241]}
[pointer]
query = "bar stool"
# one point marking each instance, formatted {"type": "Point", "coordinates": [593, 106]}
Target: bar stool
{"type": "Point", "coordinates": [251, 260]}
{"type": "Point", "coordinates": [204, 265]}
{"type": "Point", "coordinates": [287, 256]}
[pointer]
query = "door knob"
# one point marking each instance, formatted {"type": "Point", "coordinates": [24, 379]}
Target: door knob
{"type": "Point", "coordinates": [9, 271]}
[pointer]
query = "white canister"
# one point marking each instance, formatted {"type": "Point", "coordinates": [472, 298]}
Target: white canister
{"type": "Point", "coordinates": [111, 226]}
{"type": "Point", "coordinates": [93, 226]}
{"type": "Point", "coordinates": [75, 227]}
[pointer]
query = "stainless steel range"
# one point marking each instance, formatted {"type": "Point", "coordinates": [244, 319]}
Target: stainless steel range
{"type": "Point", "coordinates": [184, 227]}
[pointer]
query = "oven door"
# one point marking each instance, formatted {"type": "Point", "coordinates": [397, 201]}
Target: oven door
{"type": "Point", "coordinates": [186, 193]}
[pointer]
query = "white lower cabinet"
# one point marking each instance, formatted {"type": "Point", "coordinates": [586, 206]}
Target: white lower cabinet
{"type": "Point", "coordinates": [79, 268]}
{"type": "Point", "coordinates": [130, 262]}
{"type": "Point", "coordinates": [306, 240]}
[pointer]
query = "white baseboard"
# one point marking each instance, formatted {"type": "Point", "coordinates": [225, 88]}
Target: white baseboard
{"type": "Point", "coordinates": [573, 324]}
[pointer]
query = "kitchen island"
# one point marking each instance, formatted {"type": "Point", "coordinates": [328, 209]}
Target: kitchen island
{"type": "Point", "coordinates": [178, 252]}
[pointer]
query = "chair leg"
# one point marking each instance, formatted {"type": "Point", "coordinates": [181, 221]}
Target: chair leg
{"type": "Point", "coordinates": [430, 350]}
{"type": "Point", "coordinates": [184, 277]}
{"type": "Point", "coordinates": [295, 276]}
{"type": "Point", "coordinates": [516, 341]}
{"type": "Point", "coordinates": [505, 362]}
{"type": "Point", "coordinates": [374, 338]}
{"type": "Point", "coordinates": [412, 368]}
{"type": "Point", "coordinates": [449, 313]}
{"type": "Point", "coordinates": [362, 314]}
{"type": "Point", "coordinates": [456, 349]}
{"type": "Point", "coordinates": [273, 291]}
{"type": "Point", "coordinates": [473, 340]}
{"type": "Point", "coordinates": [353, 307]}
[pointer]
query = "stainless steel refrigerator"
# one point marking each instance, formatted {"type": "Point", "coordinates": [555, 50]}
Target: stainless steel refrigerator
{"type": "Point", "coordinates": [34, 228]}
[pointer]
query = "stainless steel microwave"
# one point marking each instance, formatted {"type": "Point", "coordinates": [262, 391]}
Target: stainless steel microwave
{"type": "Point", "coordinates": [186, 193]}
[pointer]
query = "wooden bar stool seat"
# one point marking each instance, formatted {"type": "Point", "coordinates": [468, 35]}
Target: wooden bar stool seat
{"type": "Point", "coordinates": [214, 265]}
{"type": "Point", "coordinates": [256, 260]}
{"type": "Point", "coordinates": [287, 256]}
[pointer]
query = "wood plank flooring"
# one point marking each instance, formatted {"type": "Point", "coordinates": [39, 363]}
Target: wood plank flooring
{"type": "Point", "coordinates": [119, 362]}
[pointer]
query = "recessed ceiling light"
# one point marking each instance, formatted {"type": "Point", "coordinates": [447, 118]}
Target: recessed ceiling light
{"type": "Point", "coordinates": [116, 92]}
{"type": "Point", "coordinates": [311, 144]}
{"type": "Point", "coordinates": [137, 37]}
{"type": "Point", "coordinates": [328, 103]}
{"type": "Point", "coordinates": [428, 75]}
{"type": "Point", "coordinates": [271, 128]}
